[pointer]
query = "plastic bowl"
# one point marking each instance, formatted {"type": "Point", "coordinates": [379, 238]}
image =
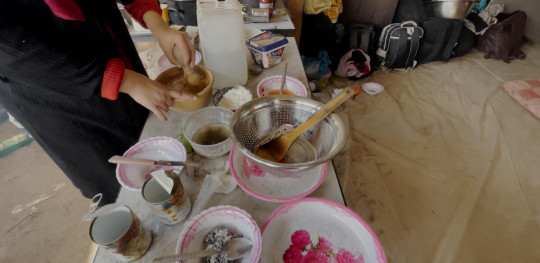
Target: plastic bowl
{"type": "Point", "coordinates": [200, 120]}
{"type": "Point", "coordinates": [132, 176]}
{"type": "Point", "coordinates": [165, 64]}
{"type": "Point", "coordinates": [267, 48]}
{"type": "Point", "coordinates": [220, 93]}
{"type": "Point", "coordinates": [203, 97]}
{"type": "Point", "coordinates": [271, 85]}
{"type": "Point", "coordinates": [237, 220]}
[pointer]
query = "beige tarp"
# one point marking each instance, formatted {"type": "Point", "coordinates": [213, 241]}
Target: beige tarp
{"type": "Point", "coordinates": [444, 165]}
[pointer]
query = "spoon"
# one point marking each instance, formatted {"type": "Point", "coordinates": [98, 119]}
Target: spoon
{"type": "Point", "coordinates": [283, 80]}
{"type": "Point", "coordinates": [275, 149]}
{"type": "Point", "coordinates": [232, 250]}
{"type": "Point", "coordinates": [190, 75]}
{"type": "Point", "coordinates": [138, 161]}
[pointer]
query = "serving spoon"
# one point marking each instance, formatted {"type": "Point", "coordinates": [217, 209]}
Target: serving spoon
{"type": "Point", "coordinates": [275, 149]}
{"type": "Point", "coordinates": [233, 249]}
{"type": "Point", "coordinates": [190, 75]}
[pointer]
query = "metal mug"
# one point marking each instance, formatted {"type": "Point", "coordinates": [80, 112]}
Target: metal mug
{"type": "Point", "coordinates": [171, 208]}
{"type": "Point", "coordinates": [119, 230]}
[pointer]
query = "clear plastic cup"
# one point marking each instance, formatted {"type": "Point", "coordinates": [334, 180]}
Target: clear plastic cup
{"type": "Point", "coordinates": [200, 122]}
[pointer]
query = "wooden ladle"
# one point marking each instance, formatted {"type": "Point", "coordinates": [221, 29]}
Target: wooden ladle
{"type": "Point", "coordinates": [191, 77]}
{"type": "Point", "coordinates": [276, 149]}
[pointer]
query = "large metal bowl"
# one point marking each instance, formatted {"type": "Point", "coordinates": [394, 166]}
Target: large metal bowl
{"type": "Point", "coordinates": [449, 9]}
{"type": "Point", "coordinates": [259, 117]}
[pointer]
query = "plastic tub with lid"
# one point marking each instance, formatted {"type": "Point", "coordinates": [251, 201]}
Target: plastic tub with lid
{"type": "Point", "coordinates": [267, 48]}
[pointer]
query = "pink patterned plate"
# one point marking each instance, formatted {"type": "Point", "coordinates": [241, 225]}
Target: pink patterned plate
{"type": "Point", "coordinates": [235, 219]}
{"type": "Point", "coordinates": [132, 176]}
{"type": "Point", "coordinates": [318, 230]}
{"type": "Point", "coordinates": [269, 187]}
{"type": "Point", "coordinates": [270, 85]}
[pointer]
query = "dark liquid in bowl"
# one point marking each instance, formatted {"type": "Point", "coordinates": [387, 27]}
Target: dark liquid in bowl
{"type": "Point", "coordinates": [211, 134]}
{"type": "Point", "coordinates": [180, 84]}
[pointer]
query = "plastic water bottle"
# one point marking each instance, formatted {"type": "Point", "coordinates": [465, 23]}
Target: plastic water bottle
{"type": "Point", "coordinates": [221, 32]}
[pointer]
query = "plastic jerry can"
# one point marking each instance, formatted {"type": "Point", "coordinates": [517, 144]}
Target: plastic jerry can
{"type": "Point", "coordinates": [221, 33]}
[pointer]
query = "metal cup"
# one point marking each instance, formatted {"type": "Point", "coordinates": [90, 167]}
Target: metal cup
{"type": "Point", "coordinates": [171, 208]}
{"type": "Point", "coordinates": [120, 231]}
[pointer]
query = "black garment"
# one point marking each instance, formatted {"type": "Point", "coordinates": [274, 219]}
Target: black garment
{"type": "Point", "coordinates": [51, 72]}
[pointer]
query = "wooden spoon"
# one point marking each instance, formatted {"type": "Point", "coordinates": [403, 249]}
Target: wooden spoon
{"type": "Point", "coordinates": [276, 149]}
{"type": "Point", "coordinates": [190, 75]}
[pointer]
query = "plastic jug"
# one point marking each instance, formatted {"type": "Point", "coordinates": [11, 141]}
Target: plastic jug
{"type": "Point", "coordinates": [221, 32]}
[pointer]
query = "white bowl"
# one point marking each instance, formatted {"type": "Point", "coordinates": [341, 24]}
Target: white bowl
{"type": "Point", "coordinates": [269, 86]}
{"type": "Point", "coordinates": [165, 64]}
{"type": "Point", "coordinates": [132, 176]}
{"type": "Point", "coordinates": [237, 220]}
{"type": "Point", "coordinates": [200, 120]}
{"type": "Point", "coordinates": [320, 218]}
{"type": "Point", "coordinates": [269, 187]}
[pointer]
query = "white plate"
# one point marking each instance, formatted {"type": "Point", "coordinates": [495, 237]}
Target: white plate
{"type": "Point", "coordinates": [320, 218]}
{"type": "Point", "coordinates": [270, 187]}
{"type": "Point", "coordinates": [237, 220]}
{"type": "Point", "coordinates": [132, 176]}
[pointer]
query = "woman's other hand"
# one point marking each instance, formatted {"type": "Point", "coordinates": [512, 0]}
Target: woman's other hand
{"type": "Point", "coordinates": [151, 94]}
{"type": "Point", "coordinates": [169, 37]}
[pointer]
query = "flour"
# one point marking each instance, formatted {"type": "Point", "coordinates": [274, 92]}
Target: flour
{"type": "Point", "coordinates": [234, 98]}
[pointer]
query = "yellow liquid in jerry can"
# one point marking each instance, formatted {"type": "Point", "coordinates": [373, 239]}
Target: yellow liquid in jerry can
{"type": "Point", "coordinates": [222, 41]}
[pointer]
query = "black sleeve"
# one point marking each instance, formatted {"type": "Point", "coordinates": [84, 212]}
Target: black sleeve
{"type": "Point", "coordinates": [35, 58]}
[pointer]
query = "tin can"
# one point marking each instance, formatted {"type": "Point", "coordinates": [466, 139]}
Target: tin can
{"type": "Point", "coordinates": [171, 208]}
{"type": "Point", "coordinates": [120, 231]}
{"type": "Point", "coordinates": [267, 4]}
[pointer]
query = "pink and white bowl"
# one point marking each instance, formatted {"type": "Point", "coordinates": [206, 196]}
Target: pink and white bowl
{"type": "Point", "coordinates": [235, 219]}
{"type": "Point", "coordinates": [132, 177]}
{"type": "Point", "coordinates": [270, 85]}
{"type": "Point", "coordinates": [315, 224]}
{"type": "Point", "coordinates": [262, 185]}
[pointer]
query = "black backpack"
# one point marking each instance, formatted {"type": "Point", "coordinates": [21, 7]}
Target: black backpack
{"type": "Point", "coordinates": [441, 36]}
{"type": "Point", "coordinates": [398, 46]}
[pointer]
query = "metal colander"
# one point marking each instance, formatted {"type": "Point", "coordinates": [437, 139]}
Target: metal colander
{"type": "Point", "coordinates": [259, 117]}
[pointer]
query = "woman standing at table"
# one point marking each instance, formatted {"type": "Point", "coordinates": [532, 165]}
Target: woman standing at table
{"type": "Point", "coordinates": [70, 74]}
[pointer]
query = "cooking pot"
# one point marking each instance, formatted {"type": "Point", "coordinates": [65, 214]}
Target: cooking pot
{"type": "Point", "coordinates": [449, 9]}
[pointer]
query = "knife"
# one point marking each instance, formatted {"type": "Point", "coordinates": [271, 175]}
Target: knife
{"type": "Point", "coordinates": [137, 161]}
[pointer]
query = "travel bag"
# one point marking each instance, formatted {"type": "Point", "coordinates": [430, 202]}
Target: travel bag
{"type": "Point", "coordinates": [504, 39]}
{"type": "Point", "coordinates": [440, 38]}
{"type": "Point", "coordinates": [398, 46]}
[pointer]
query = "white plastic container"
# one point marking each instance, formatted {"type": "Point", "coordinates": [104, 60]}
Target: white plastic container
{"type": "Point", "coordinates": [267, 48]}
{"type": "Point", "coordinates": [221, 32]}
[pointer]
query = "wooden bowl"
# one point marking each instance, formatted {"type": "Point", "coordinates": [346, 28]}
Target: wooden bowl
{"type": "Point", "coordinates": [203, 97]}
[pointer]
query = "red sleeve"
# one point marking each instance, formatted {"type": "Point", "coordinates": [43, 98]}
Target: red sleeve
{"type": "Point", "coordinates": [138, 7]}
{"type": "Point", "coordinates": [112, 78]}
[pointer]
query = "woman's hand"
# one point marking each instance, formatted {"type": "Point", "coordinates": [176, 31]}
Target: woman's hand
{"type": "Point", "coordinates": [151, 94]}
{"type": "Point", "coordinates": [168, 38]}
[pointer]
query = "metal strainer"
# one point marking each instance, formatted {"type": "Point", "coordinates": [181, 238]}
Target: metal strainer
{"type": "Point", "coordinates": [261, 116]}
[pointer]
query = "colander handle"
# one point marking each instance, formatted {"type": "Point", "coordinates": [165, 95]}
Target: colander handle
{"type": "Point", "coordinates": [321, 114]}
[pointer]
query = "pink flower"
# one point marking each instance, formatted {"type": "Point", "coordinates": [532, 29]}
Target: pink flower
{"type": "Point", "coordinates": [300, 239]}
{"type": "Point", "coordinates": [344, 256]}
{"type": "Point", "coordinates": [324, 244]}
{"type": "Point", "coordinates": [293, 255]}
{"type": "Point", "coordinates": [318, 256]}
